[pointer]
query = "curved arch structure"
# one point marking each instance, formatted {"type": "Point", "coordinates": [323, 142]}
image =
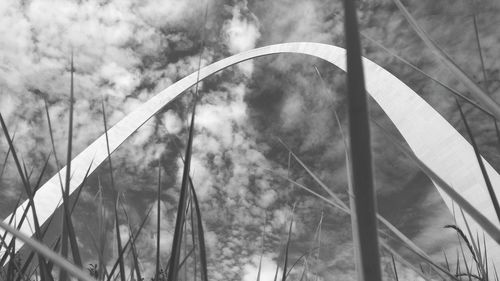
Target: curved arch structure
{"type": "Point", "coordinates": [429, 135]}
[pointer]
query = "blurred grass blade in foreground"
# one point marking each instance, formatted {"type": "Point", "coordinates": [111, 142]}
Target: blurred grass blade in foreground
{"type": "Point", "coordinates": [363, 217]}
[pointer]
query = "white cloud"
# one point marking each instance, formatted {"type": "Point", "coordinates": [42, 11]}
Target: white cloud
{"type": "Point", "coordinates": [202, 178]}
{"type": "Point", "coordinates": [267, 198]}
{"type": "Point", "coordinates": [8, 106]}
{"type": "Point", "coordinates": [170, 12]}
{"type": "Point", "coordinates": [219, 115]}
{"type": "Point", "coordinates": [241, 34]}
{"type": "Point", "coordinates": [124, 233]}
{"type": "Point", "coordinates": [172, 122]}
{"type": "Point", "coordinates": [121, 81]}
{"type": "Point", "coordinates": [211, 240]}
{"type": "Point", "coordinates": [268, 269]}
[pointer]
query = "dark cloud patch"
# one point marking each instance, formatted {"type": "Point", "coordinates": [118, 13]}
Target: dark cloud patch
{"type": "Point", "coordinates": [267, 95]}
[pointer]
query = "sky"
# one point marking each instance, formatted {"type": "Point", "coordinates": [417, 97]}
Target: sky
{"type": "Point", "coordinates": [126, 51]}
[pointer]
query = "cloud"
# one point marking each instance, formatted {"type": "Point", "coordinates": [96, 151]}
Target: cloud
{"type": "Point", "coordinates": [179, 12]}
{"type": "Point", "coordinates": [241, 33]}
{"type": "Point", "coordinates": [242, 30]}
{"type": "Point", "coordinates": [172, 122]}
{"type": "Point", "coordinates": [267, 271]}
{"type": "Point", "coordinates": [289, 21]}
{"type": "Point", "coordinates": [121, 81]}
{"type": "Point", "coordinates": [292, 109]}
{"type": "Point", "coordinates": [8, 106]}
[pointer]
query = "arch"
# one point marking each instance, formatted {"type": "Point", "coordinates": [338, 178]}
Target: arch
{"type": "Point", "coordinates": [429, 135]}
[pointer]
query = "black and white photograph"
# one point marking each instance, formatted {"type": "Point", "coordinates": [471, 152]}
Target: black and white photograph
{"type": "Point", "coordinates": [249, 140]}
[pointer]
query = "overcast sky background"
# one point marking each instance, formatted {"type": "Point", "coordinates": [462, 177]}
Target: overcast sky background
{"type": "Point", "coordinates": [126, 51]}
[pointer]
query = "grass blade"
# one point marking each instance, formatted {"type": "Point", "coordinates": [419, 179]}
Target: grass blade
{"type": "Point", "coordinates": [482, 97]}
{"type": "Point", "coordinates": [478, 42]}
{"type": "Point", "coordinates": [201, 234]}
{"type": "Point", "coordinates": [180, 220]}
{"type": "Point", "coordinates": [51, 134]}
{"type": "Point", "coordinates": [4, 164]}
{"type": "Point", "coordinates": [341, 205]}
{"type": "Point", "coordinates": [485, 257]}
{"type": "Point", "coordinates": [303, 273]}
{"type": "Point", "coordinates": [285, 263]}
{"type": "Point", "coordinates": [158, 210]}
{"type": "Point", "coordinates": [260, 268]}
{"type": "Point", "coordinates": [461, 234]}
{"type": "Point", "coordinates": [135, 262]}
{"type": "Point", "coordinates": [68, 233]}
{"type": "Point", "coordinates": [303, 256]}
{"type": "Point", "coordinates": [27, 187]}
{"type": "Point", "coordinates": [276, 272]}
{"type": "Point", "coordinates": [102, 229]}
{"type": "Point", "coordinates": [439, 82]}
{"type": "Point", "coordinates": [487, 181]}
{"type": "Point", "coordinates": [497, 130]}
{"type": "Point", "coordinates": [116, 198]}
{"type": "Point", "coordinates": [193, 239]}
{"type": "Point", "coordinates": [364, 222]}
{"type": "Point", "coordinates": [47, 253]}
{"type": "Point", "coordinates": [181, 208]}
{"type": "Point", "coordinates": [12, 262]}
{"type": "Point", "coordinates": [394, 267]}
{"type": "Point", "coordinates": [487, 226]}
{"type": "Point", "coordinates": [47, 225]}
{"type": "Point", "coordinates": [402, 260]}
{"type": "Point", "coordinates": [185, 239]}
{"type": "Point", "coordinates": [64, 249]}
{"type": "Point", "coordinates": [477, 255]}
{"type": "Point", "coordinates": [55, 249]}
{"type": "Point", "coordinates": [334, 197]}
{"type": "Point", "coordinates": [131, 240]}
{"type": "Point", "coordinates": [446, 260]}
{"type": "Point", "coordinates": [397, 234]}
{"type": "Point", "coordinates": [185, 258]}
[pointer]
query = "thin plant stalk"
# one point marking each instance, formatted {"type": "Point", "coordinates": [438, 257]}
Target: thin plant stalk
{"type": "Point", "coordinates": [158, 210]}
{"type": "Point", "coordinates": [287, 247]}
{"type": "Point", "coordinates": [116, 199]}
{"type": "Point", "coordinates": [4, 165]}
{"type": "Point", "coordinates": [394, 267]}
{"type": "Point", "coordinates": [478, 42]}
{"type": "Point", "coordinates": [193, 239]}
{"type": "Point", "coordinates": [261, 255]}
{"type": "Point", "coordinates": [201, 235]}
{"type": "Point", "coordinates": [68, 233]}
{"type": "Point", "coordinates": [130, 241]}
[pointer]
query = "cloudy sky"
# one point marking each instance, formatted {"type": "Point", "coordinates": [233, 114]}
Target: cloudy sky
{"type": "Point", "coordinates": [126, 51]}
